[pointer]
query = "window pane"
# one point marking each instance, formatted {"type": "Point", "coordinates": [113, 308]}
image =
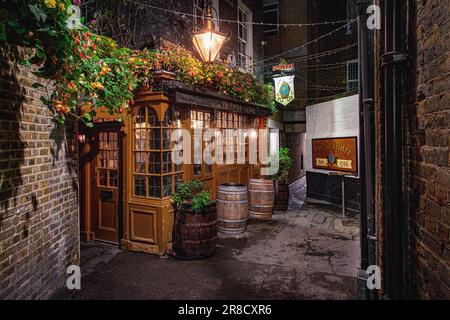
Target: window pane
{"type": "Point", "coordinates": [140, 160]}
{"type": "Point", "coordinates": [113, 178]}
{"type": "Point", "coordinates": [178, 180]}
{"type": "Point", "coordinates": [152, 118]}
{"type": "Point", "coordinates": [154, 139]}
{"type": "Point", "coordinates": [154, 163]}
{"type": "Point", "coordinates": [167, 145]}
{"type": "Point", "coordinates": [103, 177]}
{"type": "Point", "coordinates": [102, 159]}
{"type": "Point", "coordinates": [167, 185]}
{"type": "Point", "coordinates": [230, 121]}
{"type": "Point", "coordinates": [140, 118]}
{"type": "Point", "coordinates": [139, 186]}
{"type": "Point", "coordinates": [167, 162]}
{"type": "Point", "coordinates": [207, 120]}
{"type": "Point", "coordinates": [113, 157]}
{"type": "Point", "coordinates": [168, 117]}
{"type": "Point", "coordinates": [197, 169]}
{"type": "Point", "coordinates": [154, 187]}
{"type": "Point", "coordinates": [140, 139]}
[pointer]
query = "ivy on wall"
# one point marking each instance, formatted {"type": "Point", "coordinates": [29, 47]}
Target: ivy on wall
{"type": "Point", "coordinates": [90, 71]}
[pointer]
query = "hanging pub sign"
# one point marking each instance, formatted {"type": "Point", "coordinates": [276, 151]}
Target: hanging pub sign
{"type": "Point", "coordinates": [283, 67]}
{"type": "Point", "coordinates": [335, 154]}
{"type": "Point", "coordinates": [284, 89]}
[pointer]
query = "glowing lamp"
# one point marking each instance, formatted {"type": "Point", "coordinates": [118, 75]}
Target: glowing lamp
{"type": "Point", "coordinates": [208, 42]}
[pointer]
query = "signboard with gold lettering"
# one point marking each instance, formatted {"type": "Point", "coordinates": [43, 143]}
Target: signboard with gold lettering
{"type": "Point", "coordinates": [335, 154]}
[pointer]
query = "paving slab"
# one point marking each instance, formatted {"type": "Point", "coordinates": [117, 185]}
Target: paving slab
{"type": "Point", "coordinates": [307, 253]}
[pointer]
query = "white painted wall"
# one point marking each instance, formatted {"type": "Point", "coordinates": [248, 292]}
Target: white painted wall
{"type": "Point", "coordinates": [331, 119]}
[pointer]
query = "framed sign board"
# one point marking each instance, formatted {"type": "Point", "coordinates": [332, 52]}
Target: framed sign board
{"type": "Point", "coordinates": [335, 154]}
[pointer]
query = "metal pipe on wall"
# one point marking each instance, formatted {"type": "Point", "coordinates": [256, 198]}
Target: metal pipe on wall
{"type": "Point", "coordinates": [367, 147]}
{"type": "Point", "coordinates": [392, 101]}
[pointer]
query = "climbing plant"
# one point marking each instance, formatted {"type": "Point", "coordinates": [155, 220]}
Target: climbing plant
{"type": "Point", "coordinates": [90, 71]}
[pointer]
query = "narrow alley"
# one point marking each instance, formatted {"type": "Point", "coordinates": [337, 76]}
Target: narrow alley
{"type": "Point", "coordinates": [307, 253]}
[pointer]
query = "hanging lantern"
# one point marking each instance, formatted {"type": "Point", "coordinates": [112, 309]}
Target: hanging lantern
{"type": "Point", "coordinates": [208, 41]}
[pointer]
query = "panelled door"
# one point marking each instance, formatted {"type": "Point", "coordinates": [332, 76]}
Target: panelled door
{"type": "Point", "coordinates": [105, 187]}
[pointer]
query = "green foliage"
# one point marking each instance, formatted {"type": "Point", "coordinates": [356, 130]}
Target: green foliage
{"type": "Point", "coordinates": [268, 98]}
{"type": "Point", "coordinates": [191, 193]}
{"type": "Point", "coordinates": [285, 163]}
{"type": "Point", "coordinates": [91, 72]}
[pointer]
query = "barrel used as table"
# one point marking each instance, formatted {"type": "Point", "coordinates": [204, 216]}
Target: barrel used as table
{"type": "Point", "coordinates": [261, 194]}
{"type": "Point", "coordinates": [232, 208]}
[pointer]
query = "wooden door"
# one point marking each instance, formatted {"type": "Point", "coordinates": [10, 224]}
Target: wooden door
{"type": "Point", "coordinates": [105, 187]}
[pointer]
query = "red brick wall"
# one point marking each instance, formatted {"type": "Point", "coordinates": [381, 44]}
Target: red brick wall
{"type": "Point", "coordinates": [38, 192]}
{"type": "Point", "coordinates": [296, 144]}
{"type": "Point", "coordinates": [427, 172]}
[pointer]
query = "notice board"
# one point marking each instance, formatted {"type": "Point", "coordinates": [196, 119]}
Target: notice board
{"type": "Point", "coordinates": [335, 154]}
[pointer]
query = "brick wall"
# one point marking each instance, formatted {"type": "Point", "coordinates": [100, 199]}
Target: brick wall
{"type": "Point", "coordinates": [427, 143]}
{"type": "Point", "coordinates": [38, 192]}
{"type": "Point", "coordinates": [332, 81]}
{"type": "Point", "coordinates": [295, 141]}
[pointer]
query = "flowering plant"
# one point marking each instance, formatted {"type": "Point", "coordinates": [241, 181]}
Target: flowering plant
{"type": "Point", "coordinates": [90, 71]}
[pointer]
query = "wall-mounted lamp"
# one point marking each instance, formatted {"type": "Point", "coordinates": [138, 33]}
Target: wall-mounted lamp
{"type": "Point", "coordinates": [208, 42]}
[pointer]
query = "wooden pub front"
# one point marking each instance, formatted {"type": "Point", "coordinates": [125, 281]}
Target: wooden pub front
{"type": "Point", "coordinates": [127, 173]}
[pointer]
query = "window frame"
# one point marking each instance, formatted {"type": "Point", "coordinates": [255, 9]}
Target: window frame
{"type": "Point", "coordinates": [275, 31]}
{"type": "Point", "coordinates": [248, 55]}
{"type": "Point", "coordinates": [146, 153]}
{"type": "Point", "coordinates": [351, 81]}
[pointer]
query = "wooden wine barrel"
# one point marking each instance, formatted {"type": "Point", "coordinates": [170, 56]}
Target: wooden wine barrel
{"type": "Point", "coordinates": [281, 196]}
{"type": "Point", "coordinates": [261, 199]}
{"type": "Point", "coordinates": [195, 234]}
{"type": "Point", "coordinates": [232, 208]}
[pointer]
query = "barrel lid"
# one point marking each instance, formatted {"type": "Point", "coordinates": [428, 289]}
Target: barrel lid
{"type": "Point", "coordinates": [231, 184]}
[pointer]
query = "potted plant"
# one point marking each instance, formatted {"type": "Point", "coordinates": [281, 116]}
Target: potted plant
{"type": "Point", "coordinates": [280, 180]}
{"type": "Point", "coordinates": [195, 227]}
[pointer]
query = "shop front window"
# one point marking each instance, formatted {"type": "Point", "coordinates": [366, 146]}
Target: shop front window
{"type": "Point", "coordinates": [228, 140]}
{"type": "Point", "coordinates": [154, 171]}
{"type": "Point", "coordinates": [200, 120]}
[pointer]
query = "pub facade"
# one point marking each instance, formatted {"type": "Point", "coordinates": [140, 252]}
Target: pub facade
{"type": "Point", "coordinates": [127, 170]}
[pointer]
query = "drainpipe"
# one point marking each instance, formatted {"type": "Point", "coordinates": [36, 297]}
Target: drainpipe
{"type": "Point", "coordinates": [392, 61]}
{"type": "Point", "coordinates": [367, 149]}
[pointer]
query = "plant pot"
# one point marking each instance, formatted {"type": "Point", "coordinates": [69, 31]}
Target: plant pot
{"type": "Point", "coordinates": [195, 233]}
{"type": "Point", "coordinates": [281, 195]}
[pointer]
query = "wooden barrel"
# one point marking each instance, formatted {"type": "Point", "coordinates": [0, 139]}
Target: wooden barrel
{"type": "Point", "coordinates": [281, 196]}
{"type": "Point", "coordinates": [195, 234]}
{"type": "Point", "coordinates": [261, 199]}
{"type": "Point", "coordinates": [232, 208]}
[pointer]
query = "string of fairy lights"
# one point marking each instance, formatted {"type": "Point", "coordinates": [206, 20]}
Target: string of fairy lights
{"type": "Point", "coordinates": [305, 45]}
{"type": "Point", "coordinates": [267, 61]}
{"type": "Point", "coordinates": [285, 25]}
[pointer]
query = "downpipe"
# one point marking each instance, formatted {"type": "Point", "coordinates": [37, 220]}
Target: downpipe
{"type": "Point", "coordinates": [392, 61]}
{"type": "Point", "coordinates": [366, 150]}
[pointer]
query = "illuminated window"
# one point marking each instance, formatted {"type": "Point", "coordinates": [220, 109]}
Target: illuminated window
{"type": "Point", "coordinates": [154, 171]}
{"type": "Point", "coordinates": [245, 37]}
{"type": "Point", "coordinates": [108, 159]}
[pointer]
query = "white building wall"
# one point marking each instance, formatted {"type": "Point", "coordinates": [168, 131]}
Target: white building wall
{"type": "Point", "coordinates": [332, 119]}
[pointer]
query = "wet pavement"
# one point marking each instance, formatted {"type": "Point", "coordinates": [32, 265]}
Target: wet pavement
{"type": "Point", "coordinates": [306, 253]}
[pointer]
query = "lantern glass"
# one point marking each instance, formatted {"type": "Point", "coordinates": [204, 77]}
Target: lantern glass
{"type": "Point", "coordinates": [208, 44]}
